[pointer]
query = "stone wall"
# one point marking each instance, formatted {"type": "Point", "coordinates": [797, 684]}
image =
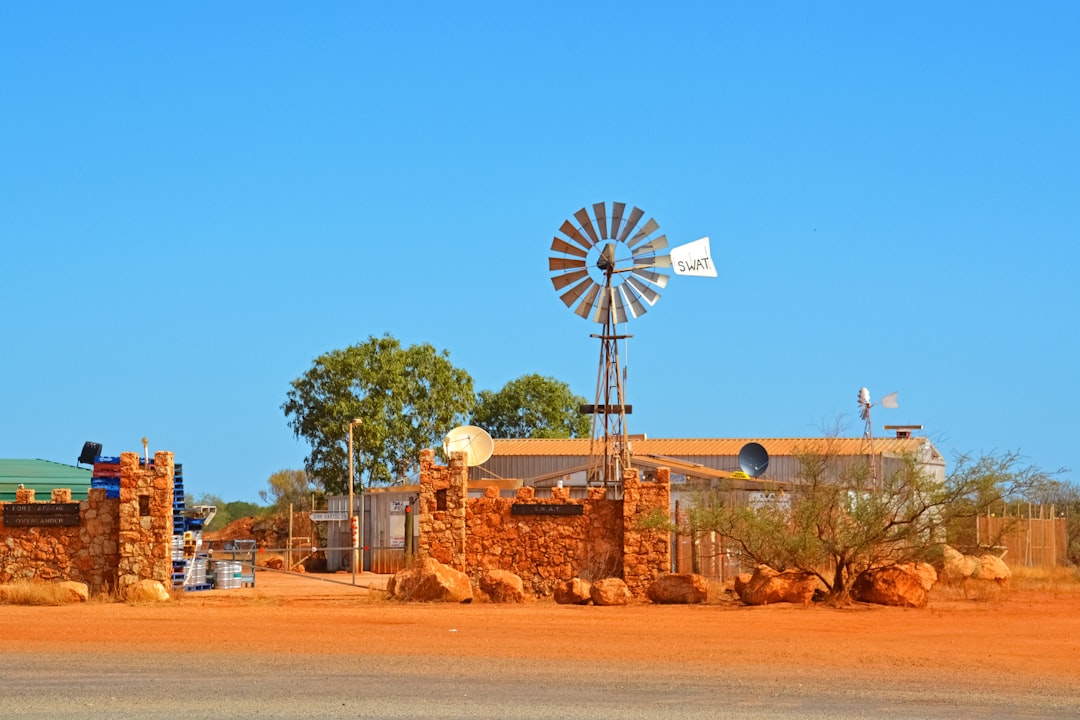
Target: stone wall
{"type": "Point", "coordinates": [117, 541]}
{"type": "Point", "coordinates": [478, 534]}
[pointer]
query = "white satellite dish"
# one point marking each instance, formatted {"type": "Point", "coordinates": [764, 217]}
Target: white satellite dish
{"type": "Point", "coordinates": [471, 440]}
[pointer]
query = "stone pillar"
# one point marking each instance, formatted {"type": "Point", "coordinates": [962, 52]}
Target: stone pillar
{"type": "Point", "coordinates": [101, 549]}
{"type": "Point", "coordinates": [646, 553]}
{"type": "Point", "coordinates": [444, 492]}
{"type": "Point", "coordinates": [145, 519]}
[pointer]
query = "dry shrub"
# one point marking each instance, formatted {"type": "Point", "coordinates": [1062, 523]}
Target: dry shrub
{"type": "Point", "coordinates": [34, 593]}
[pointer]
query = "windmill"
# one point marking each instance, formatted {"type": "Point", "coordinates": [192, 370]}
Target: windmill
{"type": "Point", "coordinates": [608, 269]}
{"type": "Point", "coordinates": [889, 401]}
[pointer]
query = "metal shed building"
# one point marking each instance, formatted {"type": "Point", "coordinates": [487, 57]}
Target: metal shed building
{"type": "Point", "coordinates": [543, 462]}
{"type": "Point", "coordinates": [42, 476]}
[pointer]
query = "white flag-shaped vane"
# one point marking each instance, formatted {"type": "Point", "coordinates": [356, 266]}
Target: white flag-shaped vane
{"type": "Point", "coordinates": [693, 259]}
{"type": "Point", "coordinates": [889, 401]}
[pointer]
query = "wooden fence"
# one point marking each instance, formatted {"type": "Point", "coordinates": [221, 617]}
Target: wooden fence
{"type": "Point", "coordinates": [1030, 535]}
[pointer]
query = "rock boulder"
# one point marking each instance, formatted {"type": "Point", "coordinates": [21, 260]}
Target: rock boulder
{"type": "Point", "coordinates": [766, 586]}
{"type": "Point", "coordinates": [574, 592]}
{"type": "Point", "coordinates": [898, 585]}
{"type": "Point", "coordinates": [502, 586]}
{"type": "Point", "coordinates": [79, 591]}
{"type": "Point", "coordinates": [430, 581]}
{"type": "Point", "coordinates": [610, 591]}
{"type": "Point", "coordinates": [148, 591]}
{"type": "Point", "coordinates": [957, 568]}
{"type": "Point", "coordinates": [682, 588]}
{"type": "Point", "coordinates": [991, 567]}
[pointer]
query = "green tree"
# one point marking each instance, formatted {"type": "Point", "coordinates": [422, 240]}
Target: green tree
{"type": "Point", "coordinates": [242, 508]}
{"type": "Point", "coordinates": [837, 520]}
{"type": "Point", "coordinates": [289, 487]}
{"type": "Point", "coordinates": [406, 398]}
{"type": "Point", "coordinates": [533, 406]}
{"type": "Point", "coordinates": [222, 516]}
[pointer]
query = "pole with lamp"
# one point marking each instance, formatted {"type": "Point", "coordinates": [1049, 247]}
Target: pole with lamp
{"type": "Point", "coordinates": [354, 532]}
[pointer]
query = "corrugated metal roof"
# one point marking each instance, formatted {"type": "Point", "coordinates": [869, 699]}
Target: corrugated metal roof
{"type": "Point", "coordinates": [711, 446]}
{"type": "Point", "coordinates": [42, 476]}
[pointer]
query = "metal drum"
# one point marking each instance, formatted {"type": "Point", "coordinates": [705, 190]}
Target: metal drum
{"type": "Point", "coordinates": [226, 575]}
{"type": "Point", "coordinates": [198, 572]}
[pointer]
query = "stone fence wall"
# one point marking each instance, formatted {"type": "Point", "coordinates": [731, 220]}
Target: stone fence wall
{"type": "Point", "coordinates": [543, 541]}
{"type": "Point", "coordinates": [117, 541]}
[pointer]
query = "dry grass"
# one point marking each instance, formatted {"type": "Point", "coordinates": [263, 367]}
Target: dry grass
{"type": "Point", "coordinates": [1056, 579]}
{"type": "Point", "coordinates": [35, 593]}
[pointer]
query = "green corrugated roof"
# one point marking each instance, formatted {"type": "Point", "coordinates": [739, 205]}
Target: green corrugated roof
{"type": "Point", "coordinates": [42, 476]}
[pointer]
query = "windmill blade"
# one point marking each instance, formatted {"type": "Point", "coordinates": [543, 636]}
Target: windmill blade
{"type": "Point", "coordinates": [631, 222]}
{"type": "Point", "coordinates": [646, 230]}
{"type": "Point", "coordinates": [561, 281]}
{"type": "Point", "coordinates": [585, 221]}
{"type": "Point", "coordinates": [650, 295]}
{"type": "Point", "coordinates": [566, 248]}
{"type": "Point", "coordinates": [616, 218]}
{"type": "Point", "coordinates": [655, 278]}
{"type": "Point", "coordinates": [600, 210]}
{"type": "Point", "coordinates": [568, 229]}
{"type": "Point", "coordinates": [610, 303]}
{"type": "Point", "coordinates": [652, 261]}
{"type": "Point", "coordinates": [564, 264]}
{"type": "Point", "coordinates": [632, 299]}
{"type": "Point", "coordinates": [571, 295]}
{"type": "Point", "coordinates": [619, 305]}
{"type": "Point", "coordinates": [585, 307]}
{"type": "Point", "coordinates": [652, 246]}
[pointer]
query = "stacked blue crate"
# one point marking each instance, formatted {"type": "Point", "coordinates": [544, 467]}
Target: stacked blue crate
{"type": "Point", "coordinates": [179, 562]}
{"type": "Point", "coordinates": [106, 475]}
{"type": "Point", "coordinates": [189, 568]}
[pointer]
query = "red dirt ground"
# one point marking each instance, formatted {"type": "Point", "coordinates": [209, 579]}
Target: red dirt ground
{"type": "Point", "coordinates": [1013, 640]}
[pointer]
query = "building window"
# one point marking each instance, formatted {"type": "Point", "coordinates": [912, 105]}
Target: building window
{"type": "Point", "coordinates": [144, 505]}
{"type": "Point", "coordinates": [440, 499]}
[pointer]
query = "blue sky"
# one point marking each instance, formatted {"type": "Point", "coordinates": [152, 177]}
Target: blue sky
{"type": "Point", "coordinates": [198, 200]}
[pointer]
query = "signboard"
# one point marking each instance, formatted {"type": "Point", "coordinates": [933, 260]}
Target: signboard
{"type": "Point", "coordinates": [41, 514]}
{"type": "Point", "coordinates": [541, 509]}
{"type": "Point", "coordinates": [397, 531]}
{"type": "Point", "coordinates": [332, 516]}
{"type": "Point", "coordinates": [693, 259]}
{"type": "Point", "coordinates": [397, 507]}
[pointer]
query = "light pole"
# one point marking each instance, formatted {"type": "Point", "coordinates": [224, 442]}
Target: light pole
{"type": "Point", "coordinates": [354, 540]}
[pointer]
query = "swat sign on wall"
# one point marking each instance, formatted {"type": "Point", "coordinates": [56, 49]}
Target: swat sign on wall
{"type": "Point", "coordinates": [545, 509]}
{"type": "Point", "coordinates": [41, 514]}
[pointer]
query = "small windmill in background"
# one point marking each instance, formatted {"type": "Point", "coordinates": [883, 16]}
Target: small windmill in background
{"type": "Point", "coordinates": [889, 401]}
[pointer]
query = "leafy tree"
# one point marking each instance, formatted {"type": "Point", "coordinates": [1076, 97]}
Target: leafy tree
{"type": "Point", "coordinates": [242, 508]}
{"type": "Point", "coordinates": [226, 512]}
{"type": "Point", "coordinates": [221, 518]}
{"type": "Point", "coordinates": [533, 406]}
{"type": "Point", "coordinates": [406, 398]}
{"type": "Point", "coordinates": [289, 487]}
{"type": "Point", "coordinates": [838, 520]}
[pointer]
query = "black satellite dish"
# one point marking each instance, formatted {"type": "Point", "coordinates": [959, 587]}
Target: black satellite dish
{"type": "Point", "coordinates": [753, 459]}
{"type": "Point", "coordinates": [90, 452]}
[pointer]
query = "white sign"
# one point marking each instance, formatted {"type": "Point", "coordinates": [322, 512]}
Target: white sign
{"type": "Point", "coordinates": [398, 506]}
{"type": "Point", "coordinates": [335, 516]}
{"type": "Point", "coordinates": [693, 259]}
